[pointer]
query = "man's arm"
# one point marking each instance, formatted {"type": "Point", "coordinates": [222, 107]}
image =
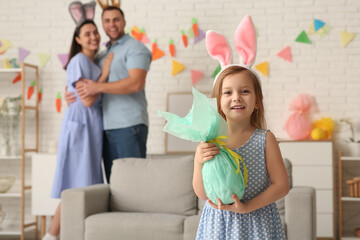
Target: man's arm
{"type": "Point", "coordinates": [132, 84]}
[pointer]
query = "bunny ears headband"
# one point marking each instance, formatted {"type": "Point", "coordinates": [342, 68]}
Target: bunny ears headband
{"type": "Point", "coordinates": [245, 45]}
{"type": "Point", "coordinates": [81, 12]}
{"type": "Point", "coordinates": [105, 3]}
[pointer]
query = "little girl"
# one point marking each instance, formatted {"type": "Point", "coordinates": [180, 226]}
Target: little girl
{"type": "Point", "coordinates": [239, 99]}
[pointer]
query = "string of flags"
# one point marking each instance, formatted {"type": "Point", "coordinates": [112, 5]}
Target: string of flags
{"type": "Point", "coordinates": [195, 33]}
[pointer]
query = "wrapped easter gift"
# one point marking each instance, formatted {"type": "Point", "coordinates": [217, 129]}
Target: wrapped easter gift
{"type": "Point", "coordinates": [221, 175]}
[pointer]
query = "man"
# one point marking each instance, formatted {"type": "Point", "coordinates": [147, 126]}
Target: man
{"type": "Point", "coordinates": [124, 103]}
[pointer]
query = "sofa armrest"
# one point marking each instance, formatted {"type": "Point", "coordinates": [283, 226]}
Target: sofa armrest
{"type": "Point", "coordinates": [79, 203]}
{"type": "Point", "coordinates": [300, 213]}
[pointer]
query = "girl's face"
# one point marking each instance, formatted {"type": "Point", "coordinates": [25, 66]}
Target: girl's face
{"type": "Point", "coordinates": [238, 99]}
{"type": "Point", "coordinates": [88, 38]}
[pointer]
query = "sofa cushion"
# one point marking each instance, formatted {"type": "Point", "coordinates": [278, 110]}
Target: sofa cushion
{"type": "Point", "coordinates": [121, 225]}
{"type": "Point", "coordinates": [161, 185]}
{"type": "Point", "coordinates": [190, 227]}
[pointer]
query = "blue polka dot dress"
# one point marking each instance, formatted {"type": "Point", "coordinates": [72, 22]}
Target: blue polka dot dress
{"type": "Point", "coordinates": [263, 223]}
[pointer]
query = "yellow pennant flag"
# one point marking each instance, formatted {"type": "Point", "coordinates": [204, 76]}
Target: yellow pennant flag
{"type": "Point", "coordinates": [346, 38]}
{"type": "Point", "coordinates": [43, 59]}
{"type": "Point", "coordinates": [311, 29]}
{"type": "Point", "coordinates": [263, 68]}
{"type": "Point", "coordinates": [5, 45]}
{"type": "Point", "coordinates": [176, 67]}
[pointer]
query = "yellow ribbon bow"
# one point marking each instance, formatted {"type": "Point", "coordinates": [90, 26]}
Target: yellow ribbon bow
{"type": "Point", "coordinates": [233, 154]}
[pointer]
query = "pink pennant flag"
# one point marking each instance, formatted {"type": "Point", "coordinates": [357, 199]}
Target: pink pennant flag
{"type": "Point", "coordinates": [64, 58]}
{"type": "Point", "coordinates": [195, 76]}
{"type": "Point", "coordinates": [145, 39]}
{"type": "Point", "coordinates": [104, 43]}
{"type": "Point", "coordinates": [23, 53]}
{"type": "Point", "coordinates": [200, 37]}
{"type": "Point", "coordinates": [285, 54]}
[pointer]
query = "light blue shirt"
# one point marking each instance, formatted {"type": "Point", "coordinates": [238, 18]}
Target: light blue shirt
{"type": "Point", "coordinates": [122, 111]}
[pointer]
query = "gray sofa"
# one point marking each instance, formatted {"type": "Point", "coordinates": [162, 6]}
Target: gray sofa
{"type": "Point", "coordinates": [153, 199]}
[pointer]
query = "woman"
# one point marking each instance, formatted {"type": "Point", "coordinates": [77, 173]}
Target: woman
{"type": "Point", "coordinates": [80, 141]}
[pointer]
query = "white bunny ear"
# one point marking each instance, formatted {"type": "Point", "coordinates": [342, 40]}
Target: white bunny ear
{"type": "Point", "coordinates": [77, 12]}
{"type": "Point", "coordinates": [89, 9]}
{"type": "Point", "coordinates": [245, 41]}
{"type": "Point", "coordinates": [218, 48]}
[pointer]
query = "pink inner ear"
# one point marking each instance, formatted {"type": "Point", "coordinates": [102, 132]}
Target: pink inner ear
{"type": "Point", "coordinates": [89, 13]}
{"type": "Point", "coordinates": [218, 48]}
{"type": "Point", "coordinates": [245, 41]}
{"type": "Point", "coordinates": [77, 13]}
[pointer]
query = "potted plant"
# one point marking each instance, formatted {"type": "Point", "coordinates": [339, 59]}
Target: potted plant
{"type": "Point", "coordinates": [354, 145]}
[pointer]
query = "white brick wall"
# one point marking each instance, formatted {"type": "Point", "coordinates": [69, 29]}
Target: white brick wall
{"type": "Point", "coordinates": [323, 69]}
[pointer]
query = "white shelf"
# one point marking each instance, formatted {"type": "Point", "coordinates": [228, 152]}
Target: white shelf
{"type": "Point", "coordinates": [351, 199]}
{"type": "Point", "coordinates": [10, 70]}
{"type": "Point", "coordinates": [10, 231]}
{"type": "Point", "coordinates": [10, 195]}
{"type": "Point", "coordinates": [350, 158]}
{"type": "Point", "coordinates": [10, 157]}
{"type": "Point", "coordinates": [350, 238]}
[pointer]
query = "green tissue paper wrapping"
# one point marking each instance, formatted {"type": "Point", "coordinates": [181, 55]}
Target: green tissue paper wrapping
{"type": "Point", "coordinates": [204, 123]}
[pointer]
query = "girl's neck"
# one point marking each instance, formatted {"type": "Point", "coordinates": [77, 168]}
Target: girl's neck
{"type": "Point", "coordinates": [89, 54]}
{"type": "Point", "coordinates": [239, 133]}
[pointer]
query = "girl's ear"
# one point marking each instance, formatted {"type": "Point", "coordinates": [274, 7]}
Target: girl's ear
{"type": "Point", "coordinates": [77, 39]}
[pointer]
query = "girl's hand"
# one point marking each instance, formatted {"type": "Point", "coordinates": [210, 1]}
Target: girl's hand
{"type": "Point", "coordinates": [106, 64]}
{"type": "Point", "coordinates": [205, 152]}
{"type": "Point", "coordinates": [237, 206]}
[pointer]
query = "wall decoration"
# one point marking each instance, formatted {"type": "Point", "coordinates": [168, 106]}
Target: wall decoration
{"type": "Point", "coordinates": [5, 45]}
{"type": "Point", "coordinates": [196, 76]}
{"type": "Point", "coordinates": [17, 78]}
{"type": "Point", "coordinates": [324, 31]}
{"type": "Point", "coordinates": [303, 38]}
{"type": "Point", "coordinates": [285, 54]}
{"type": "Point", "coordinates": [23, 53]}
{"type": "Point", "coordinates": [195, 27]}
{"type": "Point", "coordinates": [43, 59]}
{"type": "Point", "coordinates": [184, 38]}
{"type": "Point", "coordinates": [40, 95]}
{"type": "Point", "coordinates": [58, 102]}
{"type": "Point", "coordinates": [176, 67]}
{"type": "Point", "coordinates": [31, 89]}
{"type": "Point", "coordinates": [318, 24]}
{"type": "Point", "coordinates": [201, 36]}
{"type": "Point", "coordinates": [190, 32]}
{"type": "Point", "coordinates": [64, 58]}
{"type": "Point", "coordinates": [156, 52]}
{"type": "Point", "coordinates": [263, 68]}
{"type": "Point", "coordinates": [346, 38]}
{"type": "Point", "coordinates": [172, 47]}
{"type": "Point", "coordinates": [217, 70]}
{"type": "Point", "coordinates": [311, 29]}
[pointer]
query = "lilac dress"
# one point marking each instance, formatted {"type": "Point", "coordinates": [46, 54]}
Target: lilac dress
{"type": "Point", "coordinates": [80, 142]}
{"type": "Point", "coordinates": [263, 223]}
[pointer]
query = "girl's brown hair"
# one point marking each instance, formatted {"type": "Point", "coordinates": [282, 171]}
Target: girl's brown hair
{"type": "Point", "coordinates": [258, 116]}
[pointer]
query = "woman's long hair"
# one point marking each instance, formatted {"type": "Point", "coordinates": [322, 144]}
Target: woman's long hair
{"type": "Point", "coordinates": [75, 47]}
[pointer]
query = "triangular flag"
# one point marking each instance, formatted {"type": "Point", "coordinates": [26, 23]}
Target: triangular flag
{"type": "Point", "coordinates": [217, 70]}
{"type": "Point", "coordinates": [200, 36]}
{"type": "Point", "coordinates": [6, 44]}
{"type": "Point", "coordinates": [303, 38]}
{"type": "Point", "coordinates": [311, 29]}
{"type": "Point", "coordinates": [23, 53]}
{"type": "Point", "coordinates": [285, 54]}
{"type": "Point", "coordinates": [190, 33]}
{"type": "Point", "coordinates": [318, 24]}
{"type": "Point", "coordinates": [145, 39]}
{"type": "Point", "coordinates": [64, 58]}
{"type": "Point", "coordinates": [346, 38]}
{"type": "Point", "coordinates": [324, 31]}
{"type": "Point", "coordinates": [43, 59]}
{"type": "Point", "coordinates": [176, 67]}
{"type": "Point", "coordinates": [104, 43]}
{"type": "Point", "coordinates": [157, 54]}
{"type": "Point", "coordinates": [263, 68]}
{"type": "Point", "coordinates": [195, 76]}
{"type": "Point", "coordinates": [1, 44]}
